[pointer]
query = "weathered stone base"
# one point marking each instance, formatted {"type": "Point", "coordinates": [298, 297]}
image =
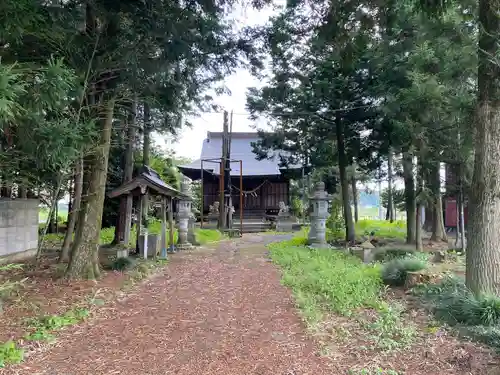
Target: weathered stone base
{"type": "Point", "coordinates": [366, 255]}
{"type": "Point", "coordinates": [183, 246]}
{"type": "Point", "coordinates": [122, 253]}
{"type": "Point", "coordinates": [192, 240]}
{"type": "Point", "coordinates": [319, 245]}
{"type": "Point", "coordinates": [284, 226]}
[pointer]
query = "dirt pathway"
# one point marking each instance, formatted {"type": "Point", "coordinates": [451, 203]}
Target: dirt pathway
{"type": "Point", "coordinates": [220, 311]}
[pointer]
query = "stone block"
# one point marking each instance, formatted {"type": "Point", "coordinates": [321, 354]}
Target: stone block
{"type": "Point", "coordinates": [366, 255]}
{"type": "Point", "coordinates": [19, 225]}
{"type": "Point", "coordinates": [154, 245]}
{"type": "Point", "coordinates": [284, 225]}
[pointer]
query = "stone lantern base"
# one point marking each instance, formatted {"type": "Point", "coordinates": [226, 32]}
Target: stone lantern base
{"type": "Point", "coordinates": [184, 246]}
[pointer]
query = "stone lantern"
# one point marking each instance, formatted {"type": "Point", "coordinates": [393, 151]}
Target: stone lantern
{"type": "Point", "coordinates": [319, 214]}
{"type": "Point", "coordinates": [183, 215]}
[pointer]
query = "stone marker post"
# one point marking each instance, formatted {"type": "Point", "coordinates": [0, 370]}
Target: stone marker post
{"type": "Point", "coordinates": [319, 205]}
{"type": "Point", "coordinates": [183, 215]}
{"type": "Point", "coordinates": [284, 221]}
{"type": "Point", "coordinates": [191, 236]}
{"type": "Point", "coordinates": [213, 215]}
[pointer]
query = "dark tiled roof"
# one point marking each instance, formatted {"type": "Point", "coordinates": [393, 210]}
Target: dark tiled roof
{"type": "Point", "coordinates": [241, 149]}
{"type": "Point", "coordinates": [151, 179]}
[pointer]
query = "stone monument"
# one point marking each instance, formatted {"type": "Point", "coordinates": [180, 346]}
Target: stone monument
{"type": "Point", "coordinates": [229, 213]}
{"type": "Point", "coordinates": [284, 221]}
{"type": "Point", "coordinates": [319, 214]}
{"type": "Point", "coordinates": [191, 236]}
{"type": "Point", "coordinates": [183, 215]}
{"type": "Point", "coordinates": [213, 214]}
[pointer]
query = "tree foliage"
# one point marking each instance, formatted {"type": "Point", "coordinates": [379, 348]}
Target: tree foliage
{"type": "Point", "coordinates": [69, 74]}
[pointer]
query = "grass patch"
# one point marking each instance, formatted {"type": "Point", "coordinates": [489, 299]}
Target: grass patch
{"type": "Point", "coordinates": [476, 317]}
{"type": "Point", "coordinates": [327, 281]}
{"type": "Point", "coordinates": [382, 229]}
{"type": "Point", "coordinates": [377, 228]}
{"type": "Point", "coordinates": [205, 236]}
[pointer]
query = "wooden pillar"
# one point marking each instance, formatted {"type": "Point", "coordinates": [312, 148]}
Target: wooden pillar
{"type": "Point", "coordinates": [164, 227]}
{"type": "Point", "coordinates": [138, 226]}
{"type": "Point", "coordinates": [171, 223]}
{"type": "Point", "coordinates": [128, 220]}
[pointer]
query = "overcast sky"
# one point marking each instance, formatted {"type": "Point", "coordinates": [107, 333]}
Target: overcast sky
{"type": "Point", "coordinates": [190, 142]}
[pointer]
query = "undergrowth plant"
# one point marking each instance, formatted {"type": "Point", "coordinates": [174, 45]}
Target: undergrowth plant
{"type": "Point", "coordinates": [389, 331]}
{"type": "Point", "coordinates": [477, 317]}
{"type": "Point", "coordinates": [8, 287]}
{"type": "Point", "coordinates": [394, 272]}
{"type": "Point", "coordinates": [10, 353]}
{"type": "Point", "coordinates": [44, 327]}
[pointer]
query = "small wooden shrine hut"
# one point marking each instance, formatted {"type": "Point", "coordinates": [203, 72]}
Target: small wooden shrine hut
{"type": "Point", "coordinates": [147, 182]}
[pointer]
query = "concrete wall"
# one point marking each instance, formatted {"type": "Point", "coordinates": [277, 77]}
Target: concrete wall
{"type": "Point", "coordinates": [18, 227]}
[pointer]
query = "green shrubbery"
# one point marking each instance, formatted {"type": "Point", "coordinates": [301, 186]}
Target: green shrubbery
{"type": "Point", "coordinates": [386, 255]}
{"type": "Point", "coordinates": [453, 303]}
{"type": "Point", "coordinates": [394, 272]}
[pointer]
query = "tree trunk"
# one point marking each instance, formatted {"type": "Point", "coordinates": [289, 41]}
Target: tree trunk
{"type": "Point", "coordinates": [344, 183]}
{"type": "Point", "coordinates": [22, 192]}
{"type": "Point", "coordinates": [429, 217]}
{"type": "Point", "coordinates": [390, 197]}
{"type": "Point", "coordinates": [438, 231]}
{"type": "Point", "coordinates": [355, 198]}
{"type": "Point", "coordinates": [122, 232]}
{"type": "Point", "coordinates": [146, 150]}
{"type": "Point", "coordinates": [147, 135]}
{"type": "Point", "coordinates": [410, 204]}
{"type": "Point", "coordinates": [75, 208]}
{"type": "Point", "coordinates": [71, 195]}
{"type": "Point", "coordinates": [85, 250]}
{"type": "Point", "coordinates": [52, 221]}
{"type": "Point", "coordinates": [483, 251]}
{"type": "Point", "coordinates": [461, 220]}
{"type": "Point", "coordinates": [420, 206]}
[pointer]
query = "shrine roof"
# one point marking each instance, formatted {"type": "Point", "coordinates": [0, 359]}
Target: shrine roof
{"type": "Point", "coordinates": [241, 149]}
{"type": "Point", "coordinates": [149, 178]}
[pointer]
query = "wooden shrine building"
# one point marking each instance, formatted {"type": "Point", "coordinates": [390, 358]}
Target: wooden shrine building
{"type": "Point", "coordinates": [265, 183]}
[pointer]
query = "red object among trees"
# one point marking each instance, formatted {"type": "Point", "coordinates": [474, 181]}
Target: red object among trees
{"type": "Point", "coordinates": [450, 213]}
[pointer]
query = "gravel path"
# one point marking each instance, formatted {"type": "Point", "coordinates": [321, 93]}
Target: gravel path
{"type": "Point", "coordinates": [220, 311]}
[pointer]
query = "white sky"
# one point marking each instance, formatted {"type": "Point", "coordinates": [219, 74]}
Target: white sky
{"type": "Point", "coordinates": [190, 142]}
